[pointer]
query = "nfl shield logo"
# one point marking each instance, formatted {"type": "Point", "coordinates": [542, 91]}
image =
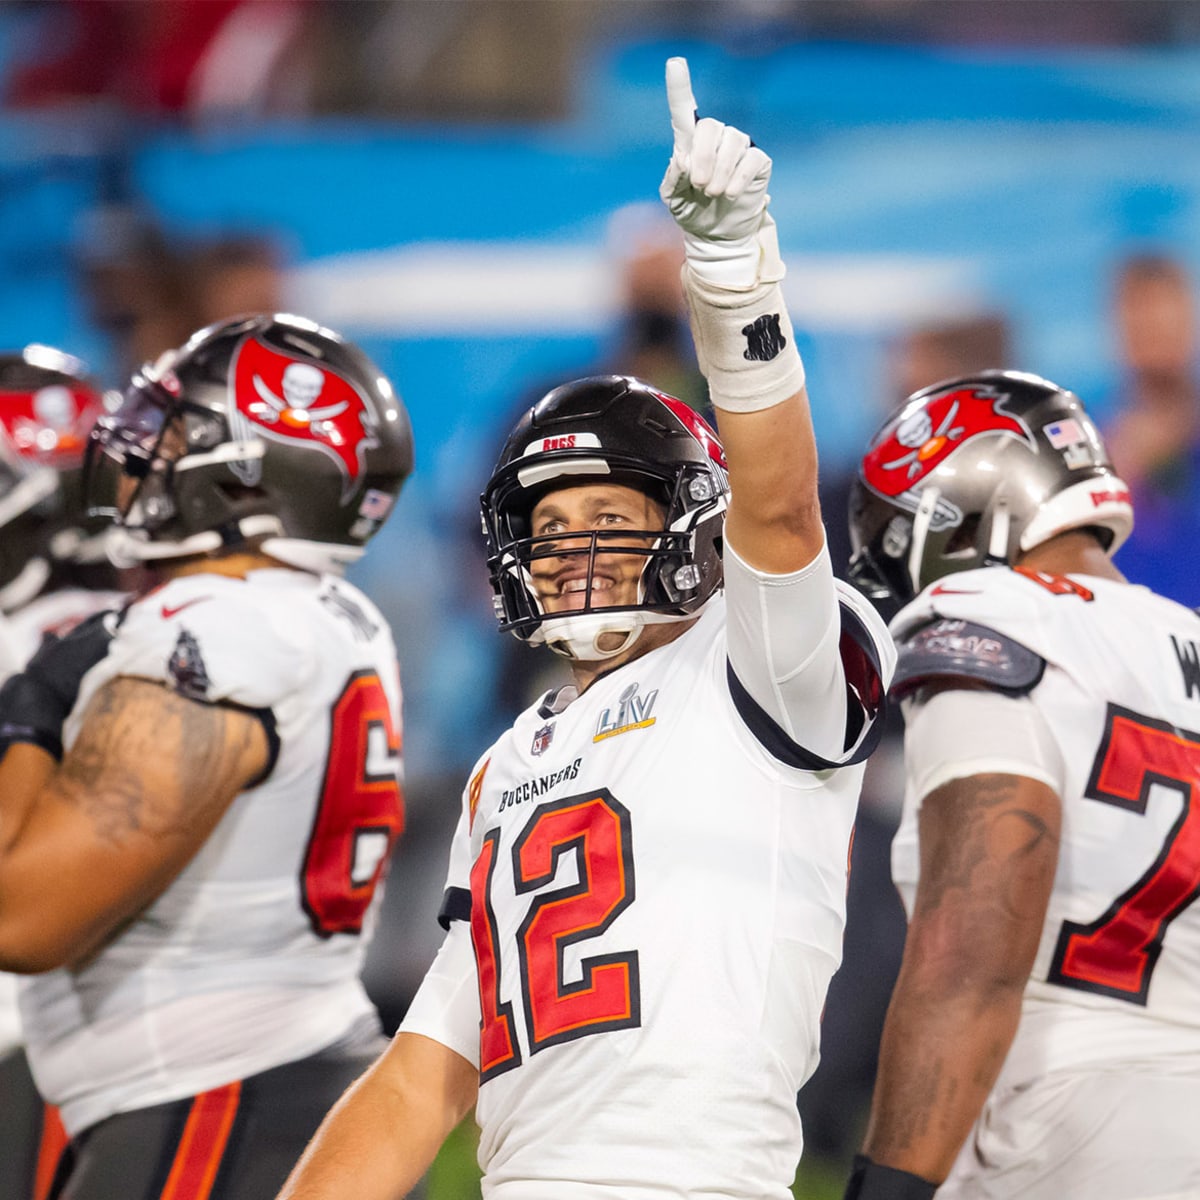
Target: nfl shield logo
{"type": "Point", "coordinates": [542, 739]}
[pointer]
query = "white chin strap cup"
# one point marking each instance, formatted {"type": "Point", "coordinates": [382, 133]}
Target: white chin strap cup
{"type": "Point", "coordinates": [578, 637]}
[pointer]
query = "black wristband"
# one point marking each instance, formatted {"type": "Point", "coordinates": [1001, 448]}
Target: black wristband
{"type": "Point", "coordinates": [30, 712]}
{"type": "Point", "coordinates": [872, 1181]}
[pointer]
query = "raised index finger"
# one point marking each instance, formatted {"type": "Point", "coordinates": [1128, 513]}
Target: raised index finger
{"type": "Point", "coordinates": [681, 102]}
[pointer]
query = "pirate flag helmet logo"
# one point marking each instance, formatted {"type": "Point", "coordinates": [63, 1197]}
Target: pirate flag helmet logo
{"type": "Point", "coordinates": [973, 472]}
{"type": "Point", "coordinates": [268, 428]}
{"type": "Point", "coordinates": [930, 428]}
{"type": "Point", "coordinates": [288, 399]}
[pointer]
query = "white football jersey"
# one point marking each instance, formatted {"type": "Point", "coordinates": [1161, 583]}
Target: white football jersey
{"type": "Point", "coordinates": [10, 1020]}
{"type": "Point", "coordinates": [251, 956]}
{"type": "Point", "coordinates": [1116, 982]}
{"type": "Point", "coordinates": [656, 905]}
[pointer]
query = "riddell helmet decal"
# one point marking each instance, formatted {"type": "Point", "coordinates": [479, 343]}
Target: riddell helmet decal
{"type": "Point", "coordinates": [289, 400]}
{"type": "Point", "coordinates": [698, 427]}
{"type": "Point", "coordinates": [922, 440]}
{"type": "Point", "coordinates": [49, 425]}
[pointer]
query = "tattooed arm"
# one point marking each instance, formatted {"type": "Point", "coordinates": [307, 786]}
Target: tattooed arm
{"type": "Point", "coordinates": [87, 844]}
{"type": "Point", "coordinates": [989, 848]}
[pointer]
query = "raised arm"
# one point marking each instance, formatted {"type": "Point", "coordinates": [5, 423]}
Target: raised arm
{"type": "Point", "coordinates": [716, 189]}
{"type": "Point", "coordinates": [808, 673]}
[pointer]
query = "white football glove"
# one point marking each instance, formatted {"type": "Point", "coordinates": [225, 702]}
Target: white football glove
{"type": "Point", "coordinates": [716, 189]}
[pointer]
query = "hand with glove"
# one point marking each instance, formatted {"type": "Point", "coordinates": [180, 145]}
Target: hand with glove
{"type": "Point", "coordinates": [716, 189]}
{"type": "Point", "coordinates": [35, 703]}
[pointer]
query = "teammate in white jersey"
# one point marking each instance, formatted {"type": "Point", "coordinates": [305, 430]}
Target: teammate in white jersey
{"type": "Point", "coordinates": [646, 891]}
{"type": "Point", "coordinates": [201, 792]}
{"type": "Point", "coordinates": [1043, 1039]}
{"type": "Point", "coordinates": [53, 574]}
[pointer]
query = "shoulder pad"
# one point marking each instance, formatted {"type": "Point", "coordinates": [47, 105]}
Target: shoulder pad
{"type": "Point", "coordinates": [953, 650]}
{"type": "Point", "coordinates": [214, 640]}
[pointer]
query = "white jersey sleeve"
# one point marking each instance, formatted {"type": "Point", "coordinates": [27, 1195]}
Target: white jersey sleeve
{"type": "Point", "coordinates": [446, 1006]}
{"type": "Point", "coordinates": [958, 733]}
{"type": "Point", "coordinates": [809, 661]}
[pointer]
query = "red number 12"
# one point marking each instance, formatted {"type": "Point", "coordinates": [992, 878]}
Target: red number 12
{"type": "Point", "coordinates": [596, 830]}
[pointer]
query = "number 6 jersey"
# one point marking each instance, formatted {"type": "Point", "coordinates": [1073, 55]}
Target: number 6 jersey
{"type": "Point", "coordinates": [250, 957]}
{"type": "Point", "coordinates": [645, 907]}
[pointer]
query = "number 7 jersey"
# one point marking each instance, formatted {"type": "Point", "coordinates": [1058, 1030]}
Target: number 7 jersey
{"type": "Point", "coordinates": [1116, 681]}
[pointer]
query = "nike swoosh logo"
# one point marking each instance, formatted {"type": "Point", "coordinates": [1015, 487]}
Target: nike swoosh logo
{"type": "Point", "coordinates": [169, 612]}
{"type": "Point", "coordinates": [938, 590]}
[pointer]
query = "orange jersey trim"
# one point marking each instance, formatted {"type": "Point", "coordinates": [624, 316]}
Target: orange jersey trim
{"type": "Point", "coordinates": [202, 1145]}
{"type": "Point", "coordinates": [50, 1151]}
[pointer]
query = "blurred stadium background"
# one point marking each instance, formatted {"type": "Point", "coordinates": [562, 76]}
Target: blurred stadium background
{"type": "Point", "coordinates": [438, 179]}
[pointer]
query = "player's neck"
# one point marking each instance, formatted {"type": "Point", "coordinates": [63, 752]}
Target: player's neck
{"type": "Point", "coordinates": [1075, 552]}
{"type": "Point", "coordinates": [236, 565]}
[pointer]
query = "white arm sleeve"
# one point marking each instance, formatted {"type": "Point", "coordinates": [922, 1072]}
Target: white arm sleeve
{"type": "Point", "coordinates": [975, 731]}
{"type": "Point", "coordinates": [783, 638]}
{"type": "Point", "coordinates": [446, 1006]}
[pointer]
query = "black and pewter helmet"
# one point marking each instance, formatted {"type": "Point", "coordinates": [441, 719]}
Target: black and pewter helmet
{"type": "Point", "coordinates": [608, 428]}
{"type": "Point", "coordinates": [973, 472]}
{"type": "Point", "coordinates": [264, 428]}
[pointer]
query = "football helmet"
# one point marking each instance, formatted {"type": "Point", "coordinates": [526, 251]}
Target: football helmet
{"type": "Point", "coordinates": [607, 428]}
{"type": "Point", "coordinates": [264, 427]}
{"type": "Point", "coordinates": [974, 471]}
{"type": "Point", "coordinates": [48, 406]}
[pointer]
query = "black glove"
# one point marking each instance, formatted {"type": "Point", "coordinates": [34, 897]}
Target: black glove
{"type": "Point", "coordinates": [35, 703]}
{"type": "Point", "coordinates": [871, 1181]}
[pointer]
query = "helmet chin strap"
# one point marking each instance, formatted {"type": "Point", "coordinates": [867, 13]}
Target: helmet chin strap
{"type": "Point", "coordinates": [997, 551]}
{"type": "Point", "coordinates": [920, 530]}
{"type": "Point", "coordinates": [578, 636]}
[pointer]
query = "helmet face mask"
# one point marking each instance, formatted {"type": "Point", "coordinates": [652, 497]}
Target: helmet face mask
{"type": "Point", "coordinates": [606, 430]}
{"type": "Point", "coordinates": [218, 444]}
{"type": "Point", "coordinates": [974, 472]}
{"type": "Point", "coordinates": [47, 407]}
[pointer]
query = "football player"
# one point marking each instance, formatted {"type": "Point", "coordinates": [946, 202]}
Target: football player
{"type": "Point", "coordinates": [646, 890]}
{"type": "Point", "coordinates": [53, 574]}
{"type": "Point", "coordinates": [1043, 1038]}
{"type": "Point", "coordinates": [201, 792]}
{"type": "Point", "coordinates": [54, 570]}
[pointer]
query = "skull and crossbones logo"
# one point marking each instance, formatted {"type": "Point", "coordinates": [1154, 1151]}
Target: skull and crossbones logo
{"type": "Point", "coordinates": [917, 435]}
{"type": "Point", "coordinates": [302, 384]}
